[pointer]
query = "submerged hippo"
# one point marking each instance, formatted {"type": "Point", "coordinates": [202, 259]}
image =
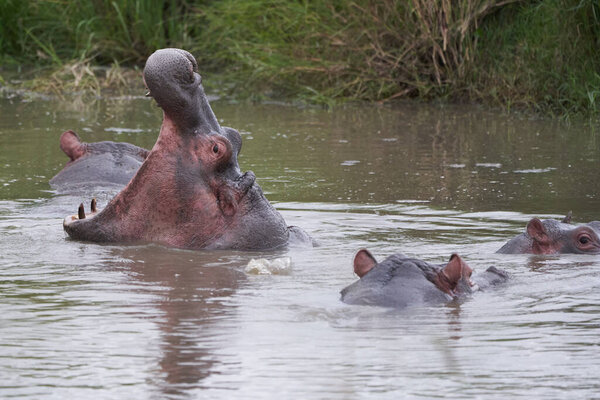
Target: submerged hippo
{"type": "Point", "coordinates": [189, 192]}
{"type": "Point", "coordinates": [554, 237]}
{"type": "Point", "coordinates": [400, 281]}
{"type": "Point", "coordinates": [97, 164]}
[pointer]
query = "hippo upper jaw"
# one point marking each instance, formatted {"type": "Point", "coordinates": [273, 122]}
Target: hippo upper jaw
{"type": "Point", "coordinates": [172, 79]}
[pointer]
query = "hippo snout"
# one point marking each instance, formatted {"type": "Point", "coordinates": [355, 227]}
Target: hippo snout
{"type": "Point", "coordinates": [171, 76]}
{"type": "Point", "coordinates": [169, 64]}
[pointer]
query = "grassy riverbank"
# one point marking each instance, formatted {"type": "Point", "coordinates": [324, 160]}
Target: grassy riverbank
{"type": "Point", "coordinates": [536, 55]}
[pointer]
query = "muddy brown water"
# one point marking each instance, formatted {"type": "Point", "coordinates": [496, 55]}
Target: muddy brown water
{"type": "Point", "coordinates": [81, 320]}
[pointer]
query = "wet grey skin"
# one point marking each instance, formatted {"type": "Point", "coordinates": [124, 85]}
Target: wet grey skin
{"type": "Point", "coordinates": [400, 281]}
{"type": "Point", "coordinates": [189, 192]}
{"type": "Point", "coordinates": [97, 164]}
{"type": "Point", "coordinates": [489, 278]}
{"type": "Point", "coordinates": [551, 236]}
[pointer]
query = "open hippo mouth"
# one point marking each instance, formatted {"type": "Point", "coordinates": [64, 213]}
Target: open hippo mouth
{"type": "Point", "coordinates": [189, 192]}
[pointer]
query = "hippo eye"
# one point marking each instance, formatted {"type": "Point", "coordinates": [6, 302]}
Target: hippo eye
{"type": "Point", "coordinates": [584, 239]}
{"type": "Point", "coordinates": [216, 148]}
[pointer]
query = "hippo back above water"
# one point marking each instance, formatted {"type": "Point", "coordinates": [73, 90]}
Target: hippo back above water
{"type": "Point", "coordinates": [97, 164]}
{"type": "Point", "coordinates": [400, 281]}
{"type": "Point", "coordinates": [551, 236]}
{"type": "Point", "coordinates": [189, 192]}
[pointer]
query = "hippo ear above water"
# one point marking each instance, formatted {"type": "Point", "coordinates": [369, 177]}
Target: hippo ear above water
{"type": "Point", "coordinates": [567, 218]}
{"type": "Point", "coordinates": [541, 240]}
{"type": "Point", "coordinates": [72, 146]}
{"type": "Point", "coordinates": [454, 270]}
{"type": "Point", "coordinates": [537, 231]}
{"type": "Point", "coordinates": [363, 262]}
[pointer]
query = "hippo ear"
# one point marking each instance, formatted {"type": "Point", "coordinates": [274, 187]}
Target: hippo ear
{"type": "Point", "coordinates": [536, 231]}
{"type": "Point", "coordinates": [363, 262]}
{"type": "Point", "coordinates": [454, 270]}
{"type": "Point", "coordinates": [72, 146]}
{"type": "Point", "coordinates": [567, 219]}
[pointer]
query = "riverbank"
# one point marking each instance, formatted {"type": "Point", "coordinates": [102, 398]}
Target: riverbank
{"type": "Point", "coordinates": [528, 55]}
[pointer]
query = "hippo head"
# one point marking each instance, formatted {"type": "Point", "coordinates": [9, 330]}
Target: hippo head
{"type": "Point", "coordinates": [96, 164]}
{"type": "Point", "coordinates": [551, 236]}
{"type": "Point", "coordinates": [453, 278]}
{"type": "Point", "coordinates": [189, 192]}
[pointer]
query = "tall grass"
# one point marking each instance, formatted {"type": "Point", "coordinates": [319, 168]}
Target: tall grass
{"type": "Point", "coordinates": [369, 49]}
{"type": "Point", "coordinates": [540, 55]}
{"type": "Point", "coordinates": [547, 58]}
{"type": "Point", "coordinates": [55, 31]}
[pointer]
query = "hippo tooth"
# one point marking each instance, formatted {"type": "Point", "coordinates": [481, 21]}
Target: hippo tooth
{"type": "Point", "coordinates": [81, 212]}
{"type": "Point", "coordinates": [148, 94]}
{"type": "Point", "coordinates": [93, 206]}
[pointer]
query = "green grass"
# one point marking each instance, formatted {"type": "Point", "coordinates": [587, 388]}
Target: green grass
{"type": "Point", "coordinates": [56, 31]}
{"type": "Point", "coordinates": [536, 55]}
{"type": "Point", "coordinates": [545, 60]}
{"type": "Point", "coordinates": [370, 50]}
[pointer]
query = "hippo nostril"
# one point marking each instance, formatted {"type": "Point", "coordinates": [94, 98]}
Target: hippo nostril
{"type": "Point", "coordinates": [246, 181]}
{"type": "Point", "coordinates": [191, 58]}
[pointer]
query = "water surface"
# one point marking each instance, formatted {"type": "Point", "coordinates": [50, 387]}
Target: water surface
{"type": "Point", "coordinates": [84, 320]}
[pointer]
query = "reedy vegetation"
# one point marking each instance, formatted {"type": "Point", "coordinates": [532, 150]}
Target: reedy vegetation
{"type": "Point", "coordinates": [538, 55]}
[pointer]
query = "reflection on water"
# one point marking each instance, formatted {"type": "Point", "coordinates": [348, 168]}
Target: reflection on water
{"type": "Point", "coordinates": [84, 320]}
{"type": "Point", "coordinates": [190, 288]}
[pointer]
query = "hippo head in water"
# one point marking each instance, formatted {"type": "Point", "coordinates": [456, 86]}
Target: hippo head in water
{"type": "Point", "coordinates": [96, 164]}
{"type": "Point", "coordinates": [189, 192]}
{"type": "Point", "coordinates": [400, 281]}
{"type": "Point", "coordinates": [555, 237]}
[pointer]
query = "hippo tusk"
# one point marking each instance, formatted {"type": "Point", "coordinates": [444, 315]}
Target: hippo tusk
{"type": "Point", "coordinates": [148, 94]}
{"type": "Point", "coordinates": [81, 212]}
{"type": "Point", "coordinates": [93, 206]}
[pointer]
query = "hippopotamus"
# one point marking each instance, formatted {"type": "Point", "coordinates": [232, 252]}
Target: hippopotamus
{"type": "Point", "coordinates": [97, 164]}
{"type": "Point", "coordinates": [189, 192]}
{"type": "Point", "coordinates": [400, 281]}
{"type": "Point", "coordinates": [551, 236]}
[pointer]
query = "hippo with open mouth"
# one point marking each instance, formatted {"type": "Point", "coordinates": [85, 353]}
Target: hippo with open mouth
{"type": "Point", "coordinates": [189, 192]}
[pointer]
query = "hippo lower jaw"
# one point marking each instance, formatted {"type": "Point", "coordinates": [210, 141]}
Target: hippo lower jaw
{"type": "Point", "coordinates": [242, 185]}
{"type": "Point", "coordinates": [237, 201]}
{"type": "Point", "coordinates": [81, 214]}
